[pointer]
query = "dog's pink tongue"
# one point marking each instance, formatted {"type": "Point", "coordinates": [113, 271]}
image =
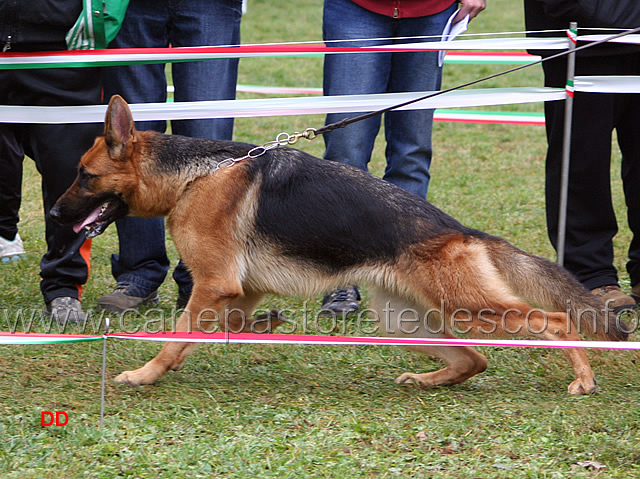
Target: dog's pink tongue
{"type": "Point", "coordinates": [88, 220]}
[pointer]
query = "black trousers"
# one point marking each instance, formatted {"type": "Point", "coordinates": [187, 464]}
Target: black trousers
{"type": "Point", "coordinates": [56, 150]}
{"type": "Point", "coordinates": [591, 221]}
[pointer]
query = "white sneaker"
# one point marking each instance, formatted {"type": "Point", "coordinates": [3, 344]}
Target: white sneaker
{"type": "Point", "coordinates": [11, 250]}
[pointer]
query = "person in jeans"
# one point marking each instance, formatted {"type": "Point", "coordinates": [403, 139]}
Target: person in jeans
{"type": "Point", "coordinates": [56, 149]}
{"type": "Point", "coordinates": [142, 264]}
{"type": "Point", "coordinates": [407, 133]}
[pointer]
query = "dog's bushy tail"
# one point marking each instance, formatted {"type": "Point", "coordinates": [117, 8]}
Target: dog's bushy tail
{"type": "Point", "coordinates": [548, 286]}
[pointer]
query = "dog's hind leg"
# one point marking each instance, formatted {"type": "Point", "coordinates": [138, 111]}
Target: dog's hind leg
{"type": "Point", "coordinates": [399, 317]}
{"type": "Point", "coordinates": [477, 300]}
{"type": "Point", "coordinates": [551, 326]}
{"type": "Point", "coordinates": [206, 305]}
{"type": "Point", "coordinates": [461, 363]}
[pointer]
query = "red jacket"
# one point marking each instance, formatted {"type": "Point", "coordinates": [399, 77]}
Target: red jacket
{"type": "Point", "coordinates": [405, 8]}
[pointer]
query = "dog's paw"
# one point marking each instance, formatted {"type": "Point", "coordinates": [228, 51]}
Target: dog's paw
{"type": "Point", "coordinates": [134, 378]}
{"type": "Point", "coordinates": [420, 380]}
{"type": "Point", "coordinates": [582, 386]}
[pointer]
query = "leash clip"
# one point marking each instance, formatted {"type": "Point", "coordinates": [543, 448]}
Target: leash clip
{"type": "Point", "coordinates": [283, 139]}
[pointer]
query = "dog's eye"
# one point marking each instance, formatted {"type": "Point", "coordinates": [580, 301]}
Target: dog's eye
{"type": "Point", "coordinates": [84, 177]}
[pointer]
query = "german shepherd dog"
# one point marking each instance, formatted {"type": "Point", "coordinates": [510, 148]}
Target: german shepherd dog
{"type": "Point", "coordinates": [291, 224]}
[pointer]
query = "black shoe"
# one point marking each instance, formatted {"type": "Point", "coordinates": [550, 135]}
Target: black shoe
{"type": "Point", "coordinates": [342, 301]}
{"type": "Point", "coordinates": [122, 299]}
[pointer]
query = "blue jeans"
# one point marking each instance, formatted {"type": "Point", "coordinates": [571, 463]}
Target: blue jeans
{"type": "Point", "coordinates": [407, 133]}
{"type": "Point", "coordinates": [142, 260]}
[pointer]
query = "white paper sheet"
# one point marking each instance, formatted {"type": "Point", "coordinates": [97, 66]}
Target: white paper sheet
{"type": "Point", "coordinates": [451, 31]}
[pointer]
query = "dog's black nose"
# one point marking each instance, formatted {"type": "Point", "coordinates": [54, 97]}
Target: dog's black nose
{"type": "Point", "coordinates": [55, 213]}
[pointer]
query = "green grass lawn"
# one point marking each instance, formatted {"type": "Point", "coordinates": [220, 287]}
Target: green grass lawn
{"type": "Point", "coordinates": [246, 411]}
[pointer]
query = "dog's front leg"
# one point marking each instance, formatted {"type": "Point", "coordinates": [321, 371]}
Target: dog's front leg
{"type": "Point", "coordinates": [201, 314]}
{"type": "Point", "coordinates": [171, 356]}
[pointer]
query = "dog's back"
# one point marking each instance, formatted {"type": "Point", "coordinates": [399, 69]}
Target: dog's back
{"type": "Point", "coordinates": [338, 216]}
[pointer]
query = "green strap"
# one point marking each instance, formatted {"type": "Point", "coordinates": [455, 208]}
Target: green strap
{"type": "Point", "coordinates": [82, 34]}
{"type": "Point", "coordinates": [99, 10]}
{"type": "Point", "coordinates": [97, 24]}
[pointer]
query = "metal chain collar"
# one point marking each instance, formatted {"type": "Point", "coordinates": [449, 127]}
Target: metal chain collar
{"type": "Point", "coordinates": [283, 139]}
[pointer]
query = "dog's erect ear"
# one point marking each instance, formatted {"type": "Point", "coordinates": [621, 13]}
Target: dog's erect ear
{"type": "Point", "coordinates": [118, 126]}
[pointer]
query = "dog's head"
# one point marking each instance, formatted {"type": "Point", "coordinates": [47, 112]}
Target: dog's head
{"type": "Point", "coordinates": [106, 176]}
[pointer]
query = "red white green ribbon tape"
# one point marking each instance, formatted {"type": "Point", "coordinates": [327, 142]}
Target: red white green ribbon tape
{"type": "Point", "coordinates": [250, 338]}
{"type": "Point", "coordinates": [44, 338]}
{"type": "Point", "coordinates": [490, 58]}
{"type": "Point", "coordinates": [570, 88]}
{"type": "Point", "coordinates": [111, 57]}
{"type": "Point", "coordinates": [126, 56]}
{"type": "Point", "coordinates": [492, 117]}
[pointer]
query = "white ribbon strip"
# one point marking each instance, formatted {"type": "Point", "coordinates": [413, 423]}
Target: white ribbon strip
{"type": "Point", "coordinates": [488, 44]}
{"type": "Point", "coordinates": [632, 39]}
{"type": "Point", "coordinates": [607, 84]}
{"type": "Point", "coordinates": [271, 90]}
{"type": "Point", "coordinates": [280, 106]}
{"type": "Point", "coordinates": [529, 43]}
{"type": "Point", "coordinates": [316, 105]}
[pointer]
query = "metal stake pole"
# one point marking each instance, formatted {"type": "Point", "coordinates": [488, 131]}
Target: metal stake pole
{"type": "Point", "coordinates": [104, 371]}
{"type": "Point", "coordinates": [566, 145]}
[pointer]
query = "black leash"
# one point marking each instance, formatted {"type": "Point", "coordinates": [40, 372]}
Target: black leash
{"type": "Point", "coordinates": [285, 139]}
{"type": "Point", "coordinates": [348, 121]}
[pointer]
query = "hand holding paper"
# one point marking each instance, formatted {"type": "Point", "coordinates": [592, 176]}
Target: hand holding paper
{"type": "Point", "coordinates": [451, 31]}
{"type": "Point", "coordinates": [471, 8]}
